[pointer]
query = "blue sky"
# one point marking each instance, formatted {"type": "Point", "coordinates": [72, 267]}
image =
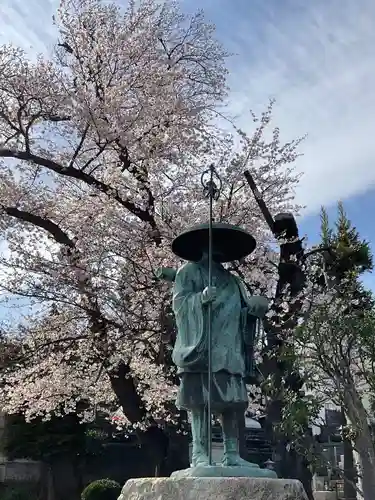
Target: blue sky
{"type": "Point", "coordinates": [314, 56]}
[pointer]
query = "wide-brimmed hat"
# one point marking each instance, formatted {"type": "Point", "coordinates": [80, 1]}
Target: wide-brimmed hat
{"type": "Point", "coordinates": [233, 242]}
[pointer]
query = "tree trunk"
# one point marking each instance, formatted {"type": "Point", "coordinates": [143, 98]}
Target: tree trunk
{"type": "Point", "coordinates": [304, 475]}
{"type": "Point", "coordinates": [154, 442]}
{"type": "Point", "coordinates": [350, 492]}
{"type": "Point", "coordinates": [295, 466]}
{"type": "Point", "coordinates": [177, 456]}
{"type": "Point", "coordinates": [350, 475]}
{"type": "Point", "coordinates": [363, 440]}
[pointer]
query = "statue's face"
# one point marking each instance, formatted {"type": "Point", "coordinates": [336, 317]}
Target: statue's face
{"type": "Point", "coordinates": [217, 255]}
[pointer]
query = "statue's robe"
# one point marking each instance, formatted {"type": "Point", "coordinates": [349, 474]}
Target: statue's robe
{"type": "Point", "coordinates": [233, 330]}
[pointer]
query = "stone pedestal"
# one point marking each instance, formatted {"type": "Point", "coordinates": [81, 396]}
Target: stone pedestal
{"type": "Point", "coordinates": [216, 488]}
{"type": "Point", "coordinates": [325, 495]}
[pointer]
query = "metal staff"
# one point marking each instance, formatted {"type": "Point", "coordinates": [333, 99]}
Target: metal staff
{"type": "Point", "coordinates": [211, 190]}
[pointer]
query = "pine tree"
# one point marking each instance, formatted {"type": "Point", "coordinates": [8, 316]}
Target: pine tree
{"type": "Point", "coordinates": [353, 254]}
{"type": "Point", "coordinates": [349, 258]}
{"type": "Point", "coordinates": [325, 230]}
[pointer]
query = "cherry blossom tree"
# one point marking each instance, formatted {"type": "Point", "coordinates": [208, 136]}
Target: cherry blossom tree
{"type": "Point", "coordinates": [101, 152]}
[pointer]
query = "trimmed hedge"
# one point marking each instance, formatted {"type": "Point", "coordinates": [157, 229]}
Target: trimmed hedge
{"type": "Point", "coordinates": [102, 489]}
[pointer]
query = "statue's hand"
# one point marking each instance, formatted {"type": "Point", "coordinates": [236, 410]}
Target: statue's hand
{"type": "Point", "coordinates": [209, 295]}
{"type": "Point", "coordinates": [165, 273]}
{"type": "Point", "coordinates": [258, 305]}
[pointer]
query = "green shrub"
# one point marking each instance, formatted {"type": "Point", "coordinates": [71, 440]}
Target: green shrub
{"type": "Point", "coordinates": [103, 489]}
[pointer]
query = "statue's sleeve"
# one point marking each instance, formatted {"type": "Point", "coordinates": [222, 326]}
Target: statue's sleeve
{"type": "Point", "coordinates": [257, 305]}
{"type": "Point", "coordinates": [190, 348]}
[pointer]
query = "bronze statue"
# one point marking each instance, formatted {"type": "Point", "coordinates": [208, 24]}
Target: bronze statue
{"type": "Point", "coordinates": [231, 312]}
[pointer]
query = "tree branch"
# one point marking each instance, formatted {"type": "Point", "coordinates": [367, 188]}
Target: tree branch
{"type": "Point", "coordinates": [143, 215]}
{"type": "Point", "coordinates": [53, 229]}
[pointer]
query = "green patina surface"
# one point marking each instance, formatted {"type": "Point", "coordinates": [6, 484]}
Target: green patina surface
{"type": "Point", "coordinates": [234, 316]}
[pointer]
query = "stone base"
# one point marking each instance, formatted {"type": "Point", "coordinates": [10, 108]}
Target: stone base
{"type": "Point", "coordinates": [220, 471]}
{"type": "Point", "coordinates": [325, 495]}
{"type": "Point", "coordinates": [218, 488]}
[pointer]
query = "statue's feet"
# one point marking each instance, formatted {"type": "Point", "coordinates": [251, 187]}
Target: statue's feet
{"type": "Point", "coordinates": [234, 460]}
{"type": "Point", "coordinates": [200, 459]}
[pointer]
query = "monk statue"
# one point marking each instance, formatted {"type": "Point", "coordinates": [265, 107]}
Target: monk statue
{"type": "Point", "coordinates": [234, 315]}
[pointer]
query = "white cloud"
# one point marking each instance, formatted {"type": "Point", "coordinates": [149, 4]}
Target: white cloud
{"type": "Point", "coordinates": [315, 57]}
{"type": "Point", "coordinates": [28, 23]}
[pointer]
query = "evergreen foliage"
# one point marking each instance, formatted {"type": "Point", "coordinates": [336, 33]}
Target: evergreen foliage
{"type": "Point", "coordinates": [102, 489]}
